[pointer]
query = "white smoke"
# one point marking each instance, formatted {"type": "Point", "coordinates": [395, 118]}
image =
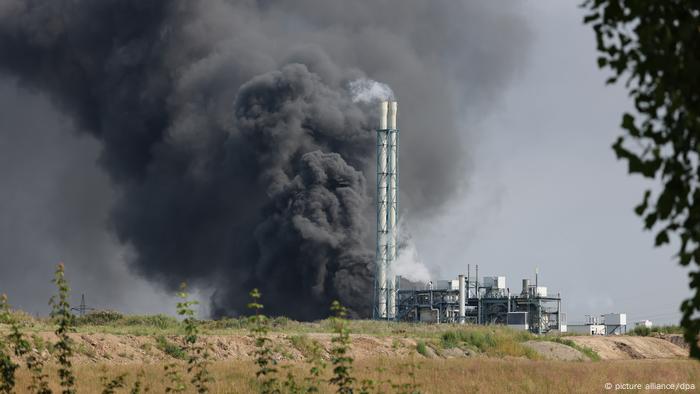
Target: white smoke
{"type": "Point", "coordinates": [408, 263]}
{"type": "Point", "coordinates": [367, 90]}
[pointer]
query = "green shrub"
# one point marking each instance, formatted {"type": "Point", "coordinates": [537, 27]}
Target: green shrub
{"type": "Point", "coordinates": [643, 331]}
{"type": "Point", "coordinates": [340, 357]}
{"type": "Point", "coordinates": [264, 354]}
{"type": "Point", "coordinates": [479, 340]}
{"type": "Point", "coordinates": [279, 322]}
{"type": "Point", "coordinates": [226, 323]}
{"type": "Point", "coordinates": [99, 318]}
{"type": "Point", "coordinates": [16, 316]}
{"type": "Point", "coordinates": [65, 324]}
{"type": "Point", "coordinates": [450, 339]}
{"type": "Point", "coordinates": [303, 344]}
{"type": "Point", "coordinates": [422, 348]}
{"type": "Point", "coordinates": [156, 321]}
{"type": "Point", "coordinates": [169, 348]}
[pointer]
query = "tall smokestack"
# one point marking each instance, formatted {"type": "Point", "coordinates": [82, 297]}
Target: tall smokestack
{"type": "Point", "coordinates": [387, 210]}
{"type": "Point", "coordinates": [393, 206]}
{"type": "Point", "coordinates": [382, 203]}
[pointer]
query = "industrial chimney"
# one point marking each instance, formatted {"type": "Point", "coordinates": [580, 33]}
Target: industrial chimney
{"type": "Point", "coordinates": [387, 210]}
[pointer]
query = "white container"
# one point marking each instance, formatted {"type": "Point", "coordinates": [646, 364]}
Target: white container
{"type": "Point", "coordinates": [643, 323]}
{"type": "Point", "coordinates": [586, 329]}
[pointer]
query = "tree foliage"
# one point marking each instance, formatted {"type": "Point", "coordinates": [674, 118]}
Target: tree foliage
{"type": "Point", "coordinates": [654, 48]}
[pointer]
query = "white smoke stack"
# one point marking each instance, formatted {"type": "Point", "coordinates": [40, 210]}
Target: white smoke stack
{"type": "Point", "coordinates": [382, 217]}
{"type": "Point", "coordinates": [387, 210]}
{"type": "Point", "coordinates": [393, 208]}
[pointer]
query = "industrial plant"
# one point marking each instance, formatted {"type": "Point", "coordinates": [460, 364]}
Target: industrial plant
{"type": "Point", "coordinates": [464, 300]}
{"type": "Point", "coordinates": [487, 300]}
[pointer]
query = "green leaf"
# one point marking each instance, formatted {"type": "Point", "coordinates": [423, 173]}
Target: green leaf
{"type": "Point", "coordinates": [661, 238]}
{"type": "Point", "coordinates": [650, 220]}
{"type": "Point", "coordinates": [639, 209]}
{"type": "Point", "coordinates": [628, 124]}
{"type": "Point", "coordinates": [590, 18]}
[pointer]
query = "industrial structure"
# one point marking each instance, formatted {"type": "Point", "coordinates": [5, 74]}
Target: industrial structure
{"type": "Point", "coordinates": [465, 300]}
{"type": "Point", "coordinates": [608, 324]}
{"type": "Point", "coordinates": [489, 301]}
{"type": "Point", "coordinates": [387, 210]}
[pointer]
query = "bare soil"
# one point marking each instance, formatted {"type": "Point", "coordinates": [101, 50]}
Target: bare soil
{"type": "Point", "coordinates": [631, 347]}
{"type": "Point", "coordinates": [556, 351]}
{"type": "Point", "coordinates": [127, 349]}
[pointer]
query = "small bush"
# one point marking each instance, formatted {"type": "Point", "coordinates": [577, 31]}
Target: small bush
{"type": "Point", "coordinates": [279, 322]}
{"type": "Point", "coordinates": [65, 324]}
{"type": "Point", "coordinates": [450, 339]}
{"type": "Point", "coordinates": [157, 321]}
{"type": "Point", "coordinates": [226, 323]}
{"type": "Point", "coordinates": [170, 348]}
{"type": "Point", "coordinates": [643, 331]}
{"type": "Point", "coordinates": [99, 318]}
{"type": "Point", "coordinates": [19, 317]}
{"type": "Point", "coordinates": [422, 348]}
{"type": "Point", "coordinates": [303, 344]}
{"type": "Point", "coordinates": [479, 340]}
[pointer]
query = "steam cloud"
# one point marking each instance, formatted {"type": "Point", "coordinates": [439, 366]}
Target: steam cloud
{"type": "Point", "coordinates": [239, 134]}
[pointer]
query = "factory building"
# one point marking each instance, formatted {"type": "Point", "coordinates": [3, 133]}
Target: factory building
{"type": "Point", "coordinates": [608, 324]}
{"type": "Point", "coordinates": [474, 300]}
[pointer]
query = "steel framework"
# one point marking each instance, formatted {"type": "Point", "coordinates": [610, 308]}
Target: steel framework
{"type": "Point", "coordinates": [387, 211]}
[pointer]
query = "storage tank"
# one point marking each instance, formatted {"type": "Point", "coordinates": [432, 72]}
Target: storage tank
{"type": "Point", "coordinates": [526, 286]}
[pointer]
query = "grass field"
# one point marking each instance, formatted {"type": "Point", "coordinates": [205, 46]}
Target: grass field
{"type": "Point", "coordinates": [499, 362]}
{"type": "Point", "coordinates": [479, 375]}
{"type": "Point", "coordinates": [380, 357]}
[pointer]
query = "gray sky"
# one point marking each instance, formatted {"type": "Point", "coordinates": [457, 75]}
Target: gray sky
{"type": "Point", "coordinates": [547, 190]}
{"type": "Point", "coordinates": [543, 189]}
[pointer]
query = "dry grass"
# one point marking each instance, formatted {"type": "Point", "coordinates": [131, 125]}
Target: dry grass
{"type": "Point", "coordinates": [481, 375]}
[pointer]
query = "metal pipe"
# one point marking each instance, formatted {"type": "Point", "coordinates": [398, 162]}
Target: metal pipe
{"type": "Point", "coordinates": [392, 204]}
{"type": "Point", "coordinates": [509, 300]}
{"type": "Point", "coordinates": [478, 297]}
{"type": "Point", "coordinates": [461, 299]}
{"type": "Point", "coordinates": [391, 294]}
{"type": "Point", "coordinates": [469, 284]}
{"type": "Point", "coordinates": [437, 311]}
{"type": "Point", "coordinates": [539, 306]}
{"type": "Point", "coordinates": [381, 253]}
{"type": "Point", "coordinates": [559, 312]}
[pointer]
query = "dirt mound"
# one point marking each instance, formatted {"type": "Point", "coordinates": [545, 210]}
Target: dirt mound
{"type": "Point", "coordinates": [630, 347]}
{"type": "Point", "coordinates": [676, 339]}
{"type": "Point", "coordinates": [555, 351]}
{"type": "Point", "coordinates": [127, 349]}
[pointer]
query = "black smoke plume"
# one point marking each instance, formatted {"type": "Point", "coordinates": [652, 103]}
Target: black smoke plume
{"type": "Point", "coordinates": [240, 156]}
